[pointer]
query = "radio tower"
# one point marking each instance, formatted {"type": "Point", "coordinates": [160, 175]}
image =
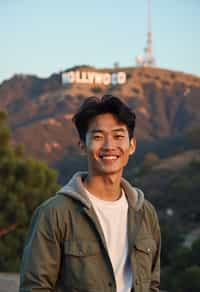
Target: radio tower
{"type": "Point", "coordinates": [147, 60]}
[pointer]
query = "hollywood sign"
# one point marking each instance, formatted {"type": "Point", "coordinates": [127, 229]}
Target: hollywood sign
{"type": "Point", "coordinates": [85, 77]}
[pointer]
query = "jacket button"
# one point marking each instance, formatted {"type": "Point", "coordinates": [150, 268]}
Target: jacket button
{"type": "Point", "coordinates": [148, 249]}
{"type": "Point", "coordinates": [109, 284]}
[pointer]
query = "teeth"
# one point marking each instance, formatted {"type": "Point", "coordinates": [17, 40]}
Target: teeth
{"type": "Point", "coordinates": [109, 157]}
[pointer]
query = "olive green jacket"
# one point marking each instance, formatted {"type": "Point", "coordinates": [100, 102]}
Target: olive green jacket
{"type": "Point", "coordinates": [66, 249]}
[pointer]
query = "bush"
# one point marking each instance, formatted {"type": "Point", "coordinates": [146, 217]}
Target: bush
{"type": "Point", "coordinates": [184, 273]}
{"type": "Point", "coordinates": [188, 281]}
{"type": "Point", "coordinates": [24, 184]}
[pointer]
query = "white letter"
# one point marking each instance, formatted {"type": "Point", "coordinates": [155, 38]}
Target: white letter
{"type": "Point", "coordinates": [114, 78]}
{"type": "Point", "coordinates": [84, 77]}
{"type": "Point", "coordinates": [71, 76]}
{"type": "Point", "coordinates": [91, 76]}
{"type": "Point", "coordinates": [98, 77]}
{"type": "Point", "coordinates": [68, 77]}
{"type": "Point", "coordinates": [106, 79]}
{"type": "Point", "coordinates": [121, 77]}
{"type": "Point", "coordinates": [78, 77]}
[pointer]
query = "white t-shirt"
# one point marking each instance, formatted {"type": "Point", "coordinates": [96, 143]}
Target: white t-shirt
{"type": "Point", "coordinates": [112, 216]}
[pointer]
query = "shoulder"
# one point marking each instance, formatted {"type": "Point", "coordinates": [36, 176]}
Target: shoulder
{"type": "Point", "coordinates": [150, 213]}
{"type": "Point", "coordinates": [149, 207]}
{"type": "Point", "coordinates": [56, 203]}
{"type": "Point", "coordinates": [53, 210]}
{"type": "Point", "coordinates": [50, 217]}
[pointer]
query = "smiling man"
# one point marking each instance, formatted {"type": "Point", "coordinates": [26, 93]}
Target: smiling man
{"type": "Point", "coordinates": [98, 233]}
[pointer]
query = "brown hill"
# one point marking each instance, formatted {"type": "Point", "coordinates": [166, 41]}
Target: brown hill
{"type": "Point", "coordinates": [40, 110]}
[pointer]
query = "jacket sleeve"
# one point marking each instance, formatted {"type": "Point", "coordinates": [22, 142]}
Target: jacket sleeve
{"type": "Point", "coordinates": [40, 263]}
{"type": "Point", "coordinates": [155, 276]}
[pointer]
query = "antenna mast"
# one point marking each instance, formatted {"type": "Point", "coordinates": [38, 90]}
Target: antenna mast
{"type": "Point", "coordinates": [147, 60]}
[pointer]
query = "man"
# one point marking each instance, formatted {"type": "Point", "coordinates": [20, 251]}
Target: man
{"type": "Point", "coordinates": [97, 234]}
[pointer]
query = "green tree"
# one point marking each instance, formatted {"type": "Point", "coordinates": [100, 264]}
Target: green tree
{"type": "Point", "coordinates": [182, 259]}
{"type": "Point", "coordinates": [193, 137]}
{"type": "Point", "coordinates": [24, 184]}
{"type": "Point", "coordinates": [183, 275]}
{"type": "Point", "coordinates": [3, 116]}
{"type": "Point", "coordinates": [195, 252]}
{"type": "Point", "coordinates": [171, 239]}
{"type": "Point", "coordinates": [188, 280]}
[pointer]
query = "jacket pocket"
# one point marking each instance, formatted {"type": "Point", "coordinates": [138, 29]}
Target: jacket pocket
{"type": "Point", "coordinates": [144, 254]}
{"type": "Point", "coordinates": [80, 264]}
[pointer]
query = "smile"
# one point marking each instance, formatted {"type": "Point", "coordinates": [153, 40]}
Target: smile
{"type": "Point", "coordinates": [110, 157]}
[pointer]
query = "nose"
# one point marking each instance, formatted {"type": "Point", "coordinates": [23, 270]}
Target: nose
{"type": "Point", "coordinates": [108, 143]}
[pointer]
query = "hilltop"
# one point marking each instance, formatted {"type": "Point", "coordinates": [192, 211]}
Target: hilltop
{"type": "Point", "coordinates": [40, 110]}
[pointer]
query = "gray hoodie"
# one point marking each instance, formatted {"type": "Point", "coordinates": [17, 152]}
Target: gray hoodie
{"type": "Point", "coordinates": [75, 189]}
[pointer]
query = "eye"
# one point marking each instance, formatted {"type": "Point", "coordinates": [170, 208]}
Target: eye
{"type": "Point", "coordinates": [97, 137]}
{"type": "Point", "coordinates": [119, 136]}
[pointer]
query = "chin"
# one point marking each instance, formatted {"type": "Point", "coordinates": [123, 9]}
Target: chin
{"type": "Point", "coordinates": [107, 171]}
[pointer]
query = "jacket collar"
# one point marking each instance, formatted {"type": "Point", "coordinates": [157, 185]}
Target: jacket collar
{"type": "Point", "coordinates": [75, 189]}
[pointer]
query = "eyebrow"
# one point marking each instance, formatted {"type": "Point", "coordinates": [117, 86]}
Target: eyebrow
{"type": "Point", "coordinates": [119, 130]}
{"type": "Point", "coordinates": [114, 130]}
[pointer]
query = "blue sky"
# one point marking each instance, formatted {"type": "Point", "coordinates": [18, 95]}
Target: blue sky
{"type": "Point", "coordinates": [42, 37]}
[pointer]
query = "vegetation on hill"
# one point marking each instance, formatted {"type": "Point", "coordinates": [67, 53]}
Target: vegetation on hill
{"type": "Point", "coordinates": [174, 190]}
{"type": "Point", "coordinates": [24, 184]}
{"type": "Point", "coordinates": [183, 275]}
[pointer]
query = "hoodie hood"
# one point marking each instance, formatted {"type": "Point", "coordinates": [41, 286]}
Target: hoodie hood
{"type": "Point", "coordinates": [75, 189]}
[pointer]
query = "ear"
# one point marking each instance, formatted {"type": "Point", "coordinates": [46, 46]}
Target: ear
{"type": "Point", "coordinates": [132, 145]}
{"type": "Point", "coordinates": [82, 147]}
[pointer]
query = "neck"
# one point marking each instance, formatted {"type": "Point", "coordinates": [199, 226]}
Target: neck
{"type": "Point", "coordinates": [104, 187]}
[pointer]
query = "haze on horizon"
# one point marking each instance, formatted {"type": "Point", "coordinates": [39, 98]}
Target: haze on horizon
{"type": "Point", "coordinates": [45, 37]}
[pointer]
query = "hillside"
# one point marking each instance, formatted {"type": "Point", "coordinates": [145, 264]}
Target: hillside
{"type": "Point", "coordinates": [166, 165]}
{"type": "Point", "coordinates": [40, 110]}
{"type": "Point", "coordinates": [173, 186]}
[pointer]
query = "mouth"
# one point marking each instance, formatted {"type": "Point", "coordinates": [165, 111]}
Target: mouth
{"type": "Point", "coordinates": [109, 157]}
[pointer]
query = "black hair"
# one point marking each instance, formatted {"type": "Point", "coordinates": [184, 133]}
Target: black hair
{"type": "Point", "coordinates": [93, 106]}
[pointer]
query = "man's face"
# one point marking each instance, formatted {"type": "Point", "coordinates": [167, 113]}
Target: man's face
{"type": "Point", "coordinates": [107, 145]}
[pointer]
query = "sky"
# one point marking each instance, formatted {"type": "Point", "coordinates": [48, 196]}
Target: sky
{"type": "Point", "coordinates": [43, 37]}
